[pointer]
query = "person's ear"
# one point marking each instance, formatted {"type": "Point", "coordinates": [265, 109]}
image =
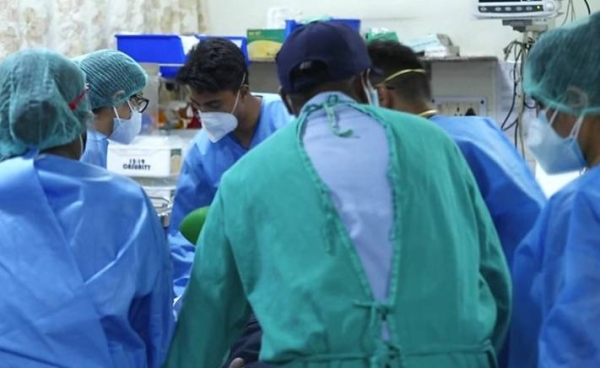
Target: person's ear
{"type": "Point", "coordinates": [286, 102]}
{"type": "Point", "coordinates": [244, 91]}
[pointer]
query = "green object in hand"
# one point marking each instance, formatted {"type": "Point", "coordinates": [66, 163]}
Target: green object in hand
{"type": "Point", "coordinates": [192, 224]}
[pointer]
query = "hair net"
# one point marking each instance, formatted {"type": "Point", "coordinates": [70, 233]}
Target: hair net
{"type": "Point", "coordinates": [563, 69]}
{"type": "Point", "coordinates": [36, 87]}
{"type": "Point", "coordinates": [113, 77]}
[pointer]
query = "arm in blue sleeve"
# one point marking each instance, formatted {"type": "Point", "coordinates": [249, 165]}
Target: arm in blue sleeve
{"type": "Point", "coordinates": [151, 313]}
{"type": "Point", "coordinates": [570, 336]}
{"type": "Point", "coordinates": [494, 270]}
{"type": "Point", "coordinates": [215, 309]}
{"type": "Point", "coordinates": [510, 191]}
{"type": "Point", "coordinates": [194, 190]}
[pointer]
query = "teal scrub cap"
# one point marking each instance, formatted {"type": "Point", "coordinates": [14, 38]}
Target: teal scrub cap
{"type": "Point", "coordinates": [563, 69]}
{"type": "Point", "coordinates": [42, 102]}
{"type": "Point", "coordinates": [114, 77]}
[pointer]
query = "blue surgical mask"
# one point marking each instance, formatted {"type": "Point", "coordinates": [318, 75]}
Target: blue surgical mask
{"type": "Point", "coordinates": [125, 130]}
{"type": "Point", "coordinates": [554, 153]}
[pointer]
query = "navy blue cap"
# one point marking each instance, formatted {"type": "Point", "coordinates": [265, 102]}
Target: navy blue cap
{"type": "Point", "coordinates": [334, 47]}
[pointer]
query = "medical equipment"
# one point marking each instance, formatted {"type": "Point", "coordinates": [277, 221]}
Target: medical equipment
{"type": "Point", "coordinates": [163, 206]}
{"type": "Point", "coordinates": [517, 9]}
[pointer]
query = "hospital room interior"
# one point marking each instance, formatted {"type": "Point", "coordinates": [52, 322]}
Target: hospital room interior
{"type": "Point", "coordinates": [300, 184]}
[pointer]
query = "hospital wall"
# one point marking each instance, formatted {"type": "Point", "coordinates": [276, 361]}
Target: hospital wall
{"type": "Point", "coordinates": [410, 18]}
{"type": "Point", "coordinates": [75, 27]}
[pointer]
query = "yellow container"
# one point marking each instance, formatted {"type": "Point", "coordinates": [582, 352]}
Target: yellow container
{"type": "Point", "coordinates": [264, 44]}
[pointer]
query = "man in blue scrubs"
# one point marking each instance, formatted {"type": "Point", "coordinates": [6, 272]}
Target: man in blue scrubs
{"type": "Point", "coordinates": [507, 184]}
{"type": "Point", "coordinates": [233, 122]}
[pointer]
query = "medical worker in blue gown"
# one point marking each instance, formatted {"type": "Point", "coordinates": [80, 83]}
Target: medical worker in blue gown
{"type": "Point", "coordinates": [506, 182]}
{"type": "Point", "coordinates": [234, 121]}
{"type": "Point", "coordinates": [85, 270]}
{"type": "Point", "coordinates": [557, 267]}
{"type": "Point", "coordinates": [116, 82]}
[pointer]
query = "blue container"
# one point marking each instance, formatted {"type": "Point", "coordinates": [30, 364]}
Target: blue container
{"type": "Point", "coordinates": [164, 49]}
{"type": "Point", "coordinates": [291, 25]}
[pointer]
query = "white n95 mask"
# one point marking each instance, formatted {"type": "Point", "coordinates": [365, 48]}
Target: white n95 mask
{"type": "Point", "coordinates": [218, 124]}
{"type": "Point", "coordinates": [125, 130]}
{"type": "Point", "coordinates": [554, 153]}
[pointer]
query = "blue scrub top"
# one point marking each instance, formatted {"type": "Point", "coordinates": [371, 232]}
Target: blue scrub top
{"type": "Point", "coordinates": [556, 276]}
{"type": "Point", "coordinates": [507, 184]}
{"type": "Point", "coordinates": [201, 174]}
{"type": "Point", "coordinates": [85, 268]}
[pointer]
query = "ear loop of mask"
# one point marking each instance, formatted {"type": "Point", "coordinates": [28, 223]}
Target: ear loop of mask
{"type": "Point", "coordinates": [403, 72]}
{"type": "Point", "coordinates": [237, 97]}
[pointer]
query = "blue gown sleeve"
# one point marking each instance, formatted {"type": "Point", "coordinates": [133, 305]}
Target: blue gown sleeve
{"type": "Point", "coordinates": [494, 270]}
{"type": "Point", "coordinates": [193, 191]}
{"type": "Point", "coordinates": [215, 309]}
{"type": "Point", "coordinates": [570, 336]}
{"type": "Point", "coordinates": [151, 311]}
{"type": "Point", "coordinates": [510, 191]}
{"type": "Point", "coordinates": [526, 319]}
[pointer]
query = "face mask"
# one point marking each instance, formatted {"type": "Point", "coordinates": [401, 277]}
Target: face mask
{"type": "Point", "coordinates": [371, 93]}
{"type": "Point", "coordinates": [125, 130]}
{"type": "Point", "coordinates": [218, 124]}
{"type": "Point", "coordinates": [81, 145]}
{"type": "Point", "coordinates": [554, 153]}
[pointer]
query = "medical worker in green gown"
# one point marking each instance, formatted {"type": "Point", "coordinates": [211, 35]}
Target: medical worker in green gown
{"type": "Point", "coordinates": [354, 243]}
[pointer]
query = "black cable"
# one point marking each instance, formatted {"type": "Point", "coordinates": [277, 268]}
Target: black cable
{"type": "Point", "coordinates": [587, 4]}
{"type": "Point", "coordinates": [517, 126]}
{"type": "Point", "coordinates": [515, 122]}
{"type": "Point", "coordinates": [515, 87]}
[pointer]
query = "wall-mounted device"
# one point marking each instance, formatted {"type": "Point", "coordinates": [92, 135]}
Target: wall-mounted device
{"type": "Point", "coordinates": [517, 9]}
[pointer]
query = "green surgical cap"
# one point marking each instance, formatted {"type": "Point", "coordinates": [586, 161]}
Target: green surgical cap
{"type": "Point", "coordinates": [113, 77]}
{"type": "Point", "coordinates": [563, 69]}
{"type": "Point", "coordinates": [36, 88]}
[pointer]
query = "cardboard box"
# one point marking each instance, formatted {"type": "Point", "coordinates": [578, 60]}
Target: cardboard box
{"type": "Point", "coordinates": [264, 44]}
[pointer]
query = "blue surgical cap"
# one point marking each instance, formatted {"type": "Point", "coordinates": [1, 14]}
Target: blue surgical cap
{"type": "Point", "coordinates": [114, 77]}
{"type": "Point", "coordinates": [563, 69]}
{"type": "Point", "coordinates": [42, 102]}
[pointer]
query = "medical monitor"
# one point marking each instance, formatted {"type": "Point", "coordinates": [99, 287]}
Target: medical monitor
{"type": "Point", "coordinates": [517, 9]}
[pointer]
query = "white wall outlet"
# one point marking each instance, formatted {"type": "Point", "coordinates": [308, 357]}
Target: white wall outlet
{"type": "Point", "coordinates": [459, 106]}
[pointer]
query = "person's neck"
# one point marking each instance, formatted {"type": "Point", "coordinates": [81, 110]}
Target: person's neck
{"type": "Point", "coordinates": [104, 125]}
{"type": "Point", "coordinates": [416, 108]}
{"type": "Point", "coordinates": [594, 157]}
{"type": "Point", "coordinates": [247, 125]}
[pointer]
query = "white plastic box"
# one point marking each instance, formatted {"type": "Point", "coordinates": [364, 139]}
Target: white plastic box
{"type": "Point", "coordinates": [147, 157]}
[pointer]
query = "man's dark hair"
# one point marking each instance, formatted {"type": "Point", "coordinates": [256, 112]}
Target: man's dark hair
{"type": "Point", "coordinates": [214, 65]}
{"type": "Point", "coordinates": [391, 57]}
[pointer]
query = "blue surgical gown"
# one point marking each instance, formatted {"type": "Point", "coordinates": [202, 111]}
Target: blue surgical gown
{"type": "Point", "coordinates": [201, 173]}
{"type": "Point", "coordinates": [507, 184]}
{"type": "Point", "coordinates": [84, 266]}
{"type": "Point", "coordinates": [96, 149]}
{"type": "Point", "coordinates": [556, 276]}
